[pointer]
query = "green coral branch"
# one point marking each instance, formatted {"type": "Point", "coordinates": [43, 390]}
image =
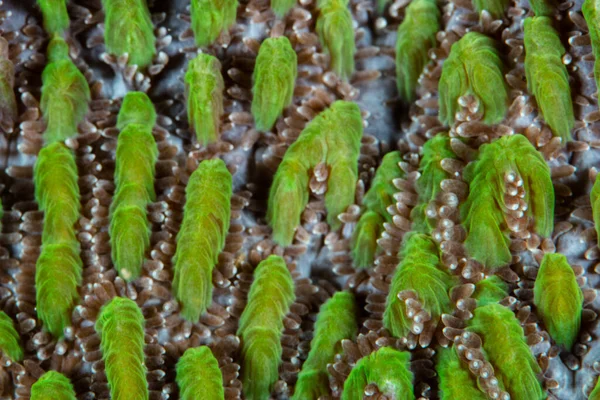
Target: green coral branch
{"type": "Point", "coordinates": [321, 141]}
{"type": "Point", "coordinates": [455, 380]}
{"type": "Point", "coordinates": [416, 36]}
{"type": "Point", "coordinates": [202, 236]}
{"type": "Point", "coordinates": [204, 93]}
{"type": "Point", "coordinates": [137, 152]}
{"type": "Point", "coordinates": [199, 376]}
{"type": "Point", "coordinates": [336, 33]}
{"type": "Point", "coordinates": [261, 325]}
{"type": "Point", "coordinates": [121, 329]}
{"type": "Point", "coordinates": [210, 18]}
{"type": "Point", "coordinates": [474, 67]}
{"type": "Point", "coordinates": [10, 343]}
{"type": "Point", "coordinates": [336, 321]}
{"type": "Point", "coordinates": [55, 16]}
{"type": "Point", "coordinates": [53, 386]}
{"type": "Point", "coordinates": [547, 76]}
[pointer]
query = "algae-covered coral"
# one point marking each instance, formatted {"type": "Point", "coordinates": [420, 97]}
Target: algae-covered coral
{"type": "Point", "coordinates": [299, 199]}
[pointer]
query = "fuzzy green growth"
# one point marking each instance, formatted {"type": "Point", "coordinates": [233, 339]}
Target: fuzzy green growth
{"type": "Point", "coordinates": [428, 185]}
{"type": "Point", "coordinates": [204, 94]}
{"type": "Point", "coordinates": [53, 386]}
{"type": "Point", "coordinates": [376, 201]}
{"type": "Point", "coordinates": [543, 8]}
{"type": "Point", "coordinates": [592, 18]}
{"type": "Point", "coordinates": [210, 18]}
{"type": "Point", "coordinates": [129, 228]}
{"type": "Point", "coordinates": [456, 382]}
{"type": "Point", "coordinates": [474, 67]}
{"type": "Point", "coordinates": [137, 108]}
{"type": "Point", "coordinates": [199, 376]}
{"type": "Point", "coordinates": [336, 321]}
{"type": "Point", "coordinates": [381, 6]}
{"type": "Point", "coordinates": [594, 200]}
{"type": "Point", "coordinates": [558, 299]}
{"type": "Point", "coordinates": [496, 8]}
{"type": "Point", "coordinates": [10, 343]}
{"type": "Point", "coordinates": [321, 141]}
{"type": "Point", "coordinates": [595, 394]}
{"type": "Point", "coordinates": [416, 36]}
{"type": "Point", "coordinates": [388, 369]}
{"type": "Point", "coordinates": [421, 271]}
{"type": "Point", "coordinates": [121, 329]}
{"type": "Point", "coordinates": [261, 325]}
{"type": "Point", "coordinates": [504, 343]}
{"type": "Point", "coordinates": [8, 102]}
{"type": "Point", "coordinates": [282, 7]}
{"type": "Point", "coordinates": [274, 79]}
{"type": "Point", "coordinates": [547, 76]}
{"type": "Point", "coordinates": [59, 266]}
{"type": "Point", "coordinates": [56, 18]}
{"type": "Point", "coordinates": [336, 32]}
{"type": "Point", "coordinates": [65, 94]}
{"type": "Point", "coordinates": [202, 236]}
{"type": "Point", "coordinates": [128, 29]}
{"type": "Point", "coordinates": [510, 158]}
{"type": "Point", "coordinates": [490, 290]}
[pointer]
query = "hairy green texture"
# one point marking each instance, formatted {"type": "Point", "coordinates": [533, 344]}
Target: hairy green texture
{"type": "Point", "coordinates": [274, 80]}
{"type": "Point", "coordinates": [505, 345]}
{"type": "Point", "coordinates": [128, 29]}
{"type": "Point", "coordinates": [56, 18]}
{"type": "Point", "coordinates": [10, 343]}
{"type": "Point", "coordinates": [592, 18]}
{"type": "Point", "coordinates": [421, 271]}
{"type": "Point", "coordinates": [8, 102]}
{"type": "Point", "coordinates": [59, 266]}
{"type": "Point", "coordinates": [547, 76]}
{"type": "Point", "coordinates": [490, 290]}
{"type": "Point", "coordinates": [199, 376]}
{"type": "Point", "coordinates": [474, 67]}
{"type": "Point", "coordinates": [137, 108]}
{"type": "Point", "coordinates": [558, 299]}
{"type": "Point", "coordinates": [594, 196]}
{"type": "Point", "coordinates": [53, 386]}
{"type": "Point", "coordinates": [202, 236]}
{"type": "Point", "coordinates": [387, 368]}
{"type": "Point", "coordinates": [483, 214]}
{"type": "Point", "coordinates": [496, 8]}
{"type": "Point", "coordinates": [336, 321]}
{"type": "Point", "coordinates": [336, 33]}
{"type": "Point", "coordinates": [456, 382]}
{"type": "Point", "coordinates": [210, 18]}
{"type": "Point", "coordinates": [261, 324]}
{"type": "Point", "coordinates": [428, 185]}
{"type": "Point", "coordinates": [129, 228]}
{"type": "Point", "coordinates": [376, 201]}
{"type": "Point", "coordinates": [121, 329]}
{"type": "Point", "coordinates": [321, 141]}
{"type": "Point", "coordinates": [204, 93]}
{"type": "Point", "coordinates": [281, 7]}
{"type": "Point", "coordinates": [543, 8]}
{"type": "Point", "coordinates": [65, 94]}
{"type": "Point", "coordinates": [416, 36]}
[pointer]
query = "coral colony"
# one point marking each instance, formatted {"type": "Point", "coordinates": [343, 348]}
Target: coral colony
{"type": "Point", "coordinates": [299, 199]}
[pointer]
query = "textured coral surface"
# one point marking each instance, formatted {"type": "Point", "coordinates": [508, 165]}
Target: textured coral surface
{"type": "Point", "coordinates": [471, 324]}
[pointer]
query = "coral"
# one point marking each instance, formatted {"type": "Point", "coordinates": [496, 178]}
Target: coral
{"type": "Point", "coordinates": [8, 102]}
{"type": "Point", "coordinates": [261, 324]}
{"type": "Point", "coordinates": [496, 8]}
{"type": "Point", "coordinates": [128, 30]}
{"type": "Point", "coordinates": [376, 201]}
{"type": "Point", "coordinates": [473, 67]}
{"type": "Point", "coordinates": [202, 236]}
{"type": "Point", "coordinates": [198, 375]}
{"type": "Point", "coordinates": [547, 76]}
{"type": "Point", "coordinates": [56, 18]}
{"type": "Point", "coordinates": [336, 321]}
{"type": "Point", "coordinates": [210, 18]}
{"type": "Point", "coordinates": [274, 80]}
{"type": "Point", "coordinates": [282, 7]}
{"type": "Point", "coordinates": [558, 299]}
{"type": "Point", "coordinates": [10, 343]}
{"type": "Point", "coordinates": [289, 192]}
{"type": "Point", "coordinates": [204, 93]}
{"type": "Point", "coordinates": [121, 329]}
{"type": "Point", "coordinates": [336, 33]}
{"type": "Point", "coordinates": [52, 386]}
{"type": "Point", "coordinates": [456, 381]}
{"type": "Point", "coordinates": [510, 164]}
{"type": "Point", "coordinates": [592, 19]}
{"type": "Point", "coordinates": [416, 36]}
